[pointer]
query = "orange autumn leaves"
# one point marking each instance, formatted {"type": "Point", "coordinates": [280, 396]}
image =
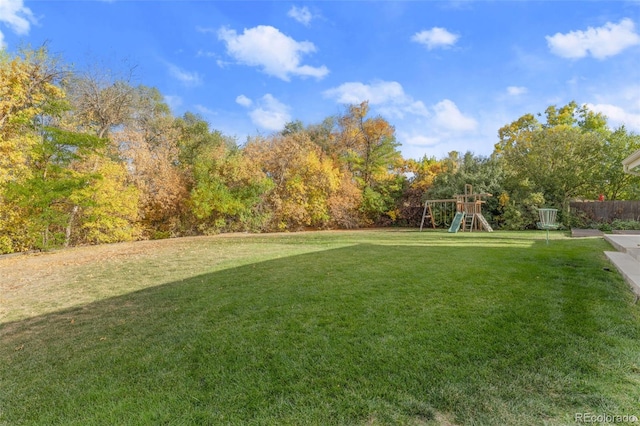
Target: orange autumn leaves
{"type": "Point", "coordinates": [89, 158]}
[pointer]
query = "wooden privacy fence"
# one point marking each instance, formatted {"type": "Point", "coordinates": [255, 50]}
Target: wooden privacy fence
{"type": "Point", "coordinates": [607, 211]}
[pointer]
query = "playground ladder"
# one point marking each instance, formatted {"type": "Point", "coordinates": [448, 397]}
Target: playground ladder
{"type": "Point", "coordinates": [469, 221]}
{"type": "Point", "coordinates": [484, 223]}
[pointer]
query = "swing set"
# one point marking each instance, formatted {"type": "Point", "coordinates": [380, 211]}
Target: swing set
{"type": "Point", "coordinates": [439, 213]}
{"type": "Point", "coordinates": [463, 211]}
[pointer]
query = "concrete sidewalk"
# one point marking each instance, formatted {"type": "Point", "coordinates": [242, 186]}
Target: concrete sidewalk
{"type": "Point", "coordinates": [627, 257]}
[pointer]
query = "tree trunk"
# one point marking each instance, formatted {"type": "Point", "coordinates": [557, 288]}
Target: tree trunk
{"type": "Point", "coordinates": [67, 237]}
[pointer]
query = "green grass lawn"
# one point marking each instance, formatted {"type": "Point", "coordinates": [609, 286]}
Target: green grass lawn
{"type": "Point", "coordinates": [363, 327]}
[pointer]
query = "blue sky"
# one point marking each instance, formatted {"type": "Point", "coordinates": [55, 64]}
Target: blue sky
{"type": "Point", "coordinates": [446, 74]}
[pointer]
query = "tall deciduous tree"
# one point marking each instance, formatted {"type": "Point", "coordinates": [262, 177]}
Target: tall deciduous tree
{"type": "Point", "coordinates": [562, 162]}
{"type": "Point", "coordinates": [369, 148]}
{"type": "Point", "coordinates": [47, 195]}
{"type": "Point", "coordinates": [421, 174]}
{"type": "Point", "coordinates": [228, 191]}
{"type": "Point", "coordinates": [101, 99]}
{"type": "Point", "coordinates": [107, 205]}
{"type": "Point", "coordinates": [196, 140]}
{"type": "Point", "coordinates": [29, 87]}
{"type": "Point", "coordinates": [28, 92]}
{"type": "Point", "coordinates": [368, 144]}
{"type": "Point", "coordinates": [611, 180]}
{"type": "Point", "coordinates": [559, 159]}
{"type": "Point", "coordinates": [307, 184]}
{"type": "Point", "coordinates": [225, 187]}
{"type": "Point", "coordinates": [149, 145]}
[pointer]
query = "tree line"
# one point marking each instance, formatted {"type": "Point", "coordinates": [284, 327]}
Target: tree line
{"type": "Point", "coordinates": [89, 158]}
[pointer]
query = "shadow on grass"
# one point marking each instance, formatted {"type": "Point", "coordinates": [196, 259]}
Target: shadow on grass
{"type": "Point", "coordinates": [360, 334]}
{"type": "Point", "coordinates": [67, 283]}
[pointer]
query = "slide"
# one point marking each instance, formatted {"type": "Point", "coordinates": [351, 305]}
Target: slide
{"type": "Point", "coordinates": [457, 221]}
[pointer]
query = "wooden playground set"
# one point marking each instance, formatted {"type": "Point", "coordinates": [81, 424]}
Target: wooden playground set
{"type": "Point", "coordinates": [468, 212]}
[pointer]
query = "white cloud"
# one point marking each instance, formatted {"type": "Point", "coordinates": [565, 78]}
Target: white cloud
{"type": "Point", "coordinates": [435, 37]}
{"type": "Point", "coordinates": [266, 47]}
{"type": "Point", "coordinates": [376, 93]}
{"type": "Point", "coordinates": [269, 113]}
{"type": "Point", "coordinates": [618, 116]}
{"type": "Point", "coordinates": [517, 90]}
{"type": "Point", "coordinates": [388, 96]}
{"type": "Point", "coordinates": [205, 111]}
{"type": "Point", "coordinates": [244, 101]}
{"type": "Point", "coordinates": [449, 118]}
{"type": "Point", "coordinates": [631, 95]}
{"type": "Point", "coordinates": [418, 141]}
{"type": "Point", "coordinates": [415, 139]}
{"type": "Point", "coordinates": [407, 106]}
{"type": "Point", "coordinates": [206, 30]}
{"type": "Point", "coordinates": [185, 77]}
{"type": "Point", "coordinates": [205, 54]}
{"type": "Point", "coordinates": [301, 15]}
{"type": "Point", "coordinates": [173, 101]}
{"type": "Point", "coordinates": [440, 128]}
{"type": "Point", "coordinates": [17, 17]}
{"type": "Point", "coordinates": [601, 42]}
